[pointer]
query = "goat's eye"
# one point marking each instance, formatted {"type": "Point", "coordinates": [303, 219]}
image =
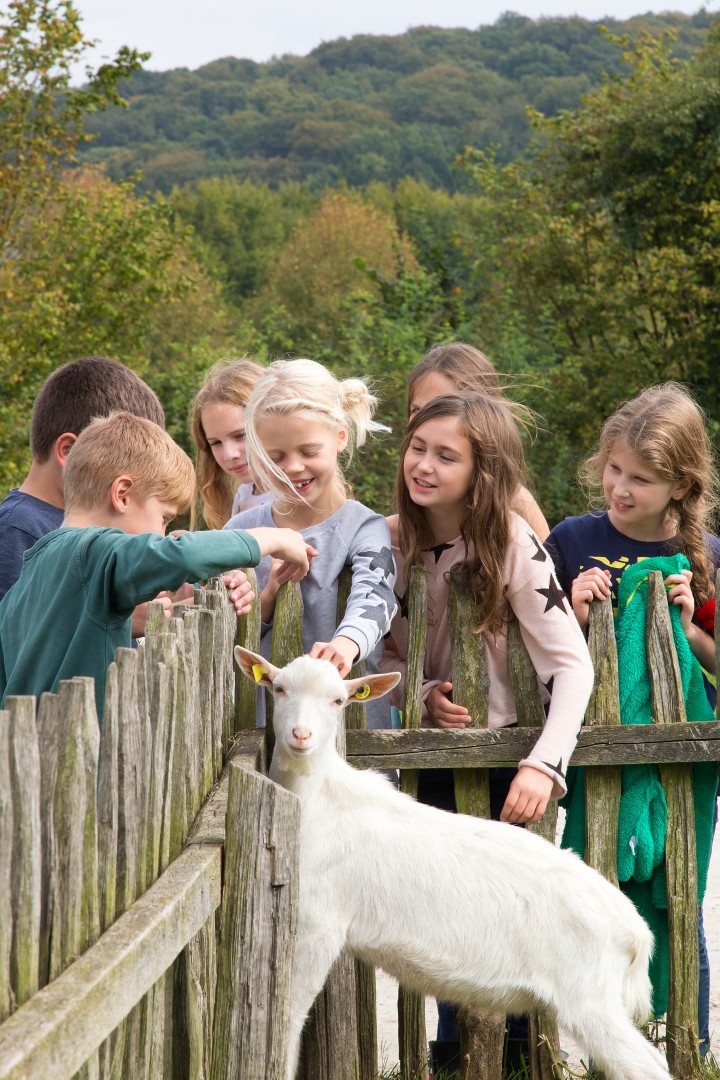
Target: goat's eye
{"type": "Point", "coordinates": [339, 701]}
{"type": "Point", "coordinates": [279, 690]}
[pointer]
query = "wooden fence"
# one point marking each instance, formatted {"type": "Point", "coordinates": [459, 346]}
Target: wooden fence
{"type": "Point", "coordinates": [141, 937]}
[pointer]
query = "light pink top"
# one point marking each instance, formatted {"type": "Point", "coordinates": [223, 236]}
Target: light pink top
{"type": "Point", "coordinates": [549, 629]}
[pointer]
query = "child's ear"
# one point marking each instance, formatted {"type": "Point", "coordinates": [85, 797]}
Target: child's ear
{"type": "Point", "coordinates": [120, 491]}
{"type": "Point", "coordinates": [63, 445]}
{"type": "Point", "coordinates": [342, 437]}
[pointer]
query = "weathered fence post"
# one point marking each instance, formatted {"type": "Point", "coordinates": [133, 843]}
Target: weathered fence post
{"type": "Point", "coordinates": [26, 875]}
{"type": "Point", "coordinates": [543, 1038]}
{"type": "Point", "coordinates": [412, 1036]}
{"type": "Point", "coordinates": [364, 976]}
{"type": "Point", "coordinates": [258, 924]}
{"type": "Point", "coordinates": [680, 851]}
{"type": "Point", "coordinates": [482, 1033]}
{"type": "Point", "coordinates": [6, 846]}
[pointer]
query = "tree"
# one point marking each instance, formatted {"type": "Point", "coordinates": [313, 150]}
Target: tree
{"type": "Point", "coordinates": [85, 265]}
{"type": "Point", "coordinates": [604, 242]}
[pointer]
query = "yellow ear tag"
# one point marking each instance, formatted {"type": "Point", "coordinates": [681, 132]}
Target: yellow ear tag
{"type": "Point", "coordinates": [362, 693]}
{"type": "Point", "coordinates": [258, 672]}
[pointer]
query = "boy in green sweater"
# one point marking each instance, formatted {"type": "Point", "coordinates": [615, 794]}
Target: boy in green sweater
{"type": "Point", "coordinates": [71, 607]}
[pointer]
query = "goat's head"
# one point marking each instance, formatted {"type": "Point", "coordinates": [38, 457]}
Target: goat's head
{"type": "Point", "coordinates": [309, 696]}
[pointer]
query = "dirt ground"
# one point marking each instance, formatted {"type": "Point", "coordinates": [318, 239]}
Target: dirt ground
{"type": "Point", "coordinates": [387, 987]}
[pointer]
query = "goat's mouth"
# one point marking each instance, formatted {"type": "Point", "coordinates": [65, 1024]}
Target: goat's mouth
{"type": "Point", "coordinates": [301, 751]}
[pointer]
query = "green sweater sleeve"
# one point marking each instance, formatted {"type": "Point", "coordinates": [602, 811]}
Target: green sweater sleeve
{"type": "Point", "coordinates": [122, 571]}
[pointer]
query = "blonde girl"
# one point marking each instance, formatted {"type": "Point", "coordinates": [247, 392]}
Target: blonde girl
{"type": "Point", "coordinates": [458, 368]}
{"type": "Point", "coordinates": [217, 424]}
{"type": "Point", "coordinates": [653, 474]}
{"type": "Point", "coordinates": [300, 422]}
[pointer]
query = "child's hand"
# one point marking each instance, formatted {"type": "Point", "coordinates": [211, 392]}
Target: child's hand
{"type": "Point", "coordinates": [528, 796]}
{"type": "Point", "coordinates": [593, 584]}
{"type": "Point", "coordinates": [680, 593]}
{"type": "Point", "coordinates": [288, 546]}
{"type": "Point", "coordinates": [341, 652]}
{"type": "Point", "coordinates": [443, 712]}
{"type": "Point", "coordinates": [139, 615]}
{"type": "Point", "coordinates": [700, 641]}
{"type": "Point", "coordinates": [239, 591]}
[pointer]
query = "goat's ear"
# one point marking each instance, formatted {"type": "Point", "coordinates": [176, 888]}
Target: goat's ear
{"type": "Point", "coordinates": [372, 686]}
{"type": "Point", "coordinates": [255, 667]}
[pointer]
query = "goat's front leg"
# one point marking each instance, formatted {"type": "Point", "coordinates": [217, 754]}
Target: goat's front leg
{"type": "Point", "coordinates": [316, 950]}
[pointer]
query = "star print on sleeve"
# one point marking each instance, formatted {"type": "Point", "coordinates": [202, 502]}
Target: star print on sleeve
{"type": "Point", "coordinates": [438, 550]}
{"type": "Point", "coordinates": [382, 559]}
{"type": "Point", "coordinates": [554, 595]}
{"type": "Point", "coordinates": [540, 553]}
{"type": "Point", "coordinates": [402, 605]}
{"type": "Point", "coordinates": [556, 768]}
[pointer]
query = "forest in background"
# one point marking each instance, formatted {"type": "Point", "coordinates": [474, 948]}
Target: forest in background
{"type": "Point", "coordinates": [585, 266]}
{"type": "Point", "coordinates": [368, 108]}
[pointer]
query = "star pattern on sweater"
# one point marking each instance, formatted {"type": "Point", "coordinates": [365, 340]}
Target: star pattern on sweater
{"type": "Point", "coordinates": [556, 768]}
{"type": "Point", "coordinates": [402, 604]}
{"type": "Point", "coordinates": [554, 595]}
{"type": "Point", "coordinates": [540, 553]}
{"type": "Point", "coordinates": [438, 550]}
{"type": "Point", "coordinates": [376, 613]}
{"type": "Point", "coordinates": [379, 560]}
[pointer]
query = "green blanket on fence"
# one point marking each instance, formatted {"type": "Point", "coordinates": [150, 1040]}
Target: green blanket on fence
{"type": "Point", "coordinates": [643, 810]}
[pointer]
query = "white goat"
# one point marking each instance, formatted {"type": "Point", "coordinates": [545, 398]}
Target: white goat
{"type": "Point", "coordinates": [476, 912]}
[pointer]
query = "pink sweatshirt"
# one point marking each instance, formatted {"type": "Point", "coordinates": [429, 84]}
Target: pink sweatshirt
{"type": "Point", "coordinates": [549, 629]}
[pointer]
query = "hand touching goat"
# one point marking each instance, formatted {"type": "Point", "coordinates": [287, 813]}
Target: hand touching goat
{"type": "Point", "coordinates": [471, 911]}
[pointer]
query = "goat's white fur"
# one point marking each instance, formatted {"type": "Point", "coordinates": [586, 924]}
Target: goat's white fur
{"type": "Point", "coordinates": [472, 911]}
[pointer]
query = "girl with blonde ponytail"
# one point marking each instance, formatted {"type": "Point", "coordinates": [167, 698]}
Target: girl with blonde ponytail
{"type": "Point", "coordinates": [300, 421]}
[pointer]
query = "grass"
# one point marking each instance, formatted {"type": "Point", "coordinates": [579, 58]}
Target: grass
{"type": "Point", "coordinates": [709, 1070]}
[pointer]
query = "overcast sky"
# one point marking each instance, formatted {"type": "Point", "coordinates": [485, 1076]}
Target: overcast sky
{"type": "Point", "coordinates": [188, 33]}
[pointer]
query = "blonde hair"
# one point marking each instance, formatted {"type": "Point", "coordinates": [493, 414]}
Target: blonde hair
{"type": "Point", "coordinates": [467, 368]}
{"type": "Point", "coordinates": [666, 428]}
{"type": "Point", "coordinates": [489, 425]}
{"type": "Point", "coordinates": [123, 444]}
{"type": "Point", "coordinates": [229, 382]}
{"type": "Point", "coordinates": [304, 386]}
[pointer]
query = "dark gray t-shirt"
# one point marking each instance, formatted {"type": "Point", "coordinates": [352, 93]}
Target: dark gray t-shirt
{"type": "Point", "coordinates": [23, 521]}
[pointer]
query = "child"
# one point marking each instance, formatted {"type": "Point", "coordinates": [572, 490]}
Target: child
{"type": "Point", "coordinates": [67, 401]}
{"type": "Point", "coordinates": [455, 369]}
{"type": "Point", "coordinates": [125, 480]}
{"type": "Point", "coordinates": [654, 465]}
{"type": "Point", "coordinates": [217, 425]}
{"type": "Point", "coordinates": [299, 420]}
{"type": "Point", "coordinates": [461, 467]}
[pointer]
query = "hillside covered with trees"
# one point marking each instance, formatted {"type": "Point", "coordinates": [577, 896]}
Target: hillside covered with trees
{"type": "Point", "coordinates": [369, 108]}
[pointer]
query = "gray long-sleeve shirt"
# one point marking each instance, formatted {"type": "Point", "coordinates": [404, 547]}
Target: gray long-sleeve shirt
{"type": "Point", "coordinates": [353, 536]}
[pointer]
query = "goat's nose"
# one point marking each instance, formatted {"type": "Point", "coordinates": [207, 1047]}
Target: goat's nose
{"type": "Point", "coordinates": [301, 735]}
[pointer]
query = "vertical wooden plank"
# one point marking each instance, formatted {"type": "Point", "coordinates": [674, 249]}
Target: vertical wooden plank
{"type": "Point", "coordinates": [286, 643]}
{"type": "Point", "coordinates": [48, 725]}
{"type": "Point", "coordinates": [221, 723]}
{"type": "Point", "coordinates": [208, 697]}
{"type": "Point", "coordinates": [6, 847]}
{"type": "Point", "coordinates": [602, 782]}
{"type": "Point", "coordinates": [364, 973]}
{"type": "Point", "coordinates": [482, 1033]}
{"type": "Point", "coordinates": [258, 923]}
{"type": "Point", "coordinates": [544, 1055]}
{"type": "Point", "coordinates": [76, 909]}
{"type": "Point", "coordinates": [412, 1036]}
{"type": "Point", "coordinates": [26, 875]}
{"type": "Point", "coordinates": [680, 850]}
{"type": "Point", "coordinates": [248, 636]}
{"type": "Point", "coordinates": [110, 1052]}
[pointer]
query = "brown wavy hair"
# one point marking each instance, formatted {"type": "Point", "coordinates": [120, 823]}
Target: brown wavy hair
{"type": "Point", "coordinates": [468, 369]}
{"type": "Point", "coordinates": [229, 382]}
{"type": "Point", "coordinates": [491, 427]}
{"type": "Point", "coordinates": [666, 428]}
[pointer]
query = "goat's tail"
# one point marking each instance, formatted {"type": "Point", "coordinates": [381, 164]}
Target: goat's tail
{"type": "Point", "coordinates": [637, 989]}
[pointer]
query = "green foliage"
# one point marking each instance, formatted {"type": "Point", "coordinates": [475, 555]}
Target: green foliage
{"type": "Point", "coordinates": [602, 245]}
{"type": "Point", "coordinates": [372, 108]}
{"type": "Point", "coordinates": [87, 266]}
